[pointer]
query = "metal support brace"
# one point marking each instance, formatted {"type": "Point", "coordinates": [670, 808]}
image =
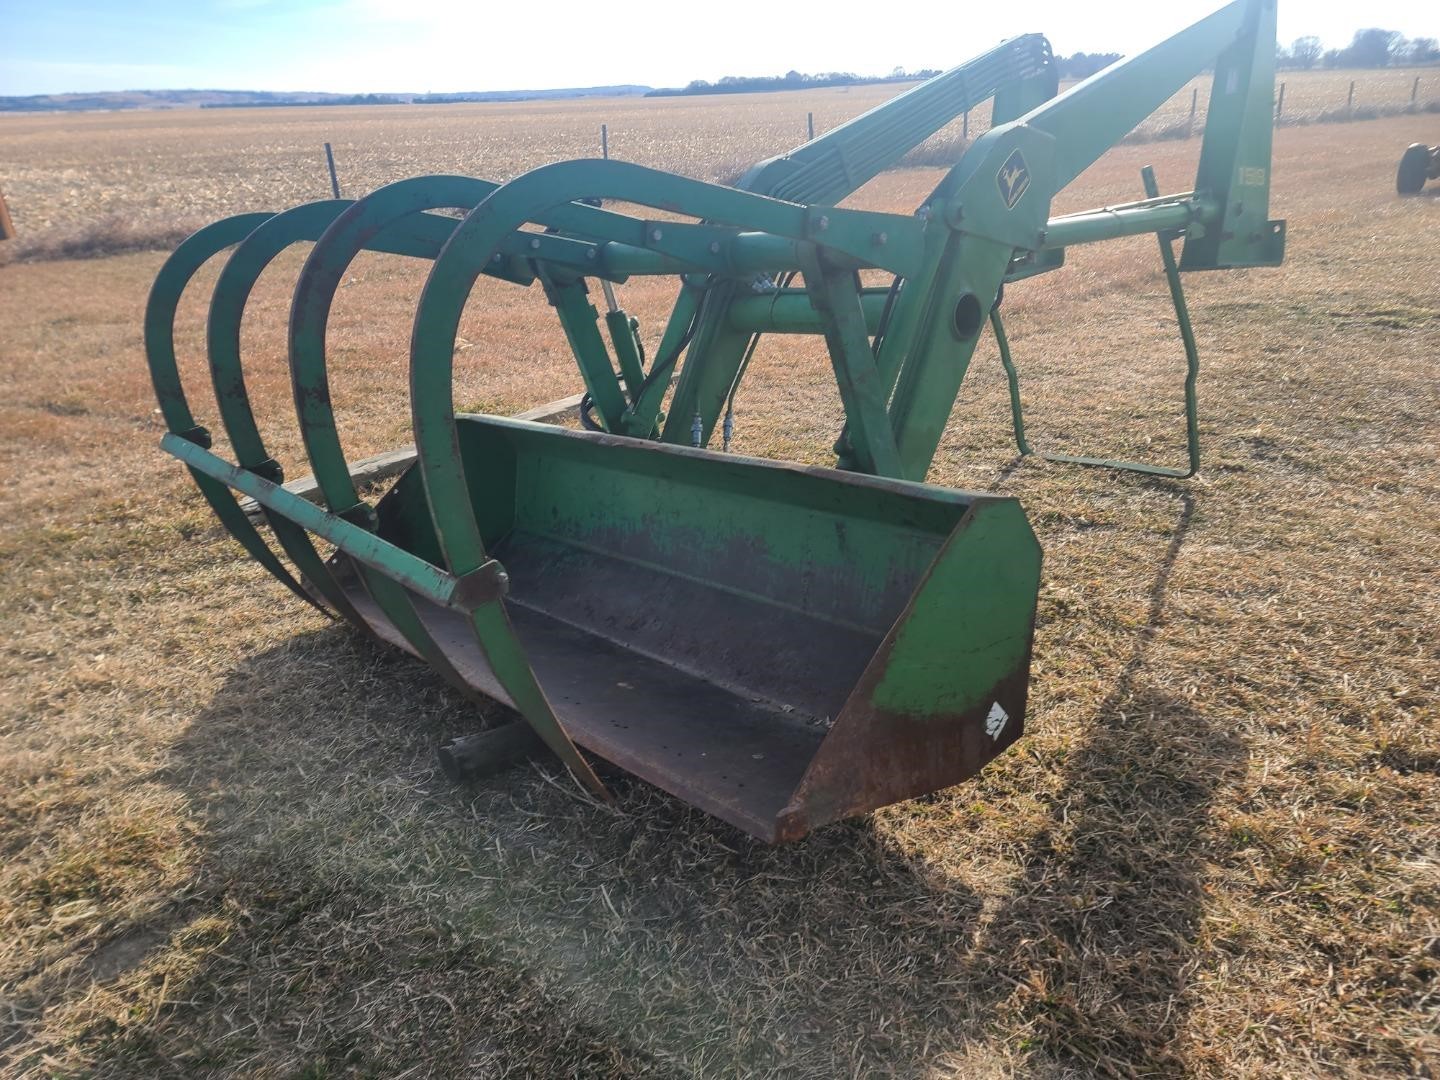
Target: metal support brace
{"type": "Point", "coordinates": [1192, 371]}
{"type": "Point", "coordinates": [578, 319]}
{"type": "Point", "coordinates": [474, 757]}
{"type": "Point", "coordinates": [836, 299]}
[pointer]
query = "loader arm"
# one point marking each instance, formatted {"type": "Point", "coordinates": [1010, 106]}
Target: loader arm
{"type": "Point", "coordinates": [1019, 73]}
{"type": "Point", "coordinates": [1093, 115]}
{"type": "Point", "coordinates": [1238, 42]}
{"type": "Point", "coordinates": [1234, 173]}
{"type": "Point", "coordinates": [996, 203]}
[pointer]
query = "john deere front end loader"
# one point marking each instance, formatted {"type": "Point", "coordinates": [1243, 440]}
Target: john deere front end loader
{"type": "Point", "coordinates": [780, 645]}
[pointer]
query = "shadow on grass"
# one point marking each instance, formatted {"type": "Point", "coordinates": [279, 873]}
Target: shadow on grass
{"type": "Point", "coordinates": [1099, 934]}
{"type": "Point", "coordinates": [366, 919]}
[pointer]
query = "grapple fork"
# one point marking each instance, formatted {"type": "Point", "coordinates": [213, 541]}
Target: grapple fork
{"type": "Point", "coordinates": [780, 645]}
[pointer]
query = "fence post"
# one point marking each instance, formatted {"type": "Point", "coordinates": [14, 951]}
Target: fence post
{"type": "Point", "coordinates": [1195, 104]}
{"type": "Point", "coordinates": [1350, 101]}
{"type": "Point", "coordinates": [604, 142]}
{"type": "Point", "coordinates": [334, 180]}
{"type": "Point", "coordinates": [965, 134]}
{"type": "Point", "coordinates": [810, 125]}
{"type": "Point", "coordinates": [1280, 103]}
{"type": "Point", "coordinates": [1415, 91]}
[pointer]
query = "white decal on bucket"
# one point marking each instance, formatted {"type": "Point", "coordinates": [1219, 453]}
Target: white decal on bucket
{"type": "Point", "coordinates": [996, 721]}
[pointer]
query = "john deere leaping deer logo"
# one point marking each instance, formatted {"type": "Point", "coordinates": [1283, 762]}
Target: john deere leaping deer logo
{"type": "Point", "coordinates": [1014, 179]}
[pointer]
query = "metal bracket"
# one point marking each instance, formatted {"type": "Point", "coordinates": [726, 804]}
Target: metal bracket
{"type": "Point", "coordinates": [361, 514]}
{"type": "Point", "coordinates": [1192, 372]}
{"type": "Point", "coordinates": [486, 583]}
{"type": "Point", "coordinates": [200, 436]}
{"type": "Point", "coordinates": [269, 469]}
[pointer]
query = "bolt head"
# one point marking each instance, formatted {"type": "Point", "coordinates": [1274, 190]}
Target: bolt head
{"type": "Point", "coordinates": [714, 247]}
{"type": "Point", "coordinates": [822, 224]}
{"type": "Point", "coordinates": [655, 235]}
{"type": "Point", "coordinates": [535, 244]}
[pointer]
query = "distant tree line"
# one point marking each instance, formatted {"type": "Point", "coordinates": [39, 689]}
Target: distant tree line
{"type": "Point", "coordinates": [1079, 66]}
{"type": "Point", "coordinates": [1370, 48]}
{"type": "Point", "coordinates": [1082, 65]}
{"type": "Point", "coordinates": [259, 99]}
{"type": "Point", "coordinates": [791, 80]}
{"type": "Point", "coordinates": [283, 102]}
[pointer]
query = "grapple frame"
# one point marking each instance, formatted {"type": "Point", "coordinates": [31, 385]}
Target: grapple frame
{"type": "Point", "coordinates": [781, 646]}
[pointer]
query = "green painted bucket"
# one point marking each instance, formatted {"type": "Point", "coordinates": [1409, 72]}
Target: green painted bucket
{"type": "Point", "coordinates": [778, 645]}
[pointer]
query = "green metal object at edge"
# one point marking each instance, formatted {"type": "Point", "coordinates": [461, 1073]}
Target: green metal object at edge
{"type": "Point", "coordinates": [782, 646]}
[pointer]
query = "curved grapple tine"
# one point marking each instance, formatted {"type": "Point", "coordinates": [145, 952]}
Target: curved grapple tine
{"type": "Point", "coordinates": [227, 308]}
{"type": "Point", "coordinates": [392, 219]}
{"type": "Point", "coordinates": [160, 310]}
{"type": "Point", "coordinates": [476, 244]}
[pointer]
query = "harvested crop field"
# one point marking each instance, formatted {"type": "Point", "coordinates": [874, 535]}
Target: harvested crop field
{"type": "Point", "coordinates": [158, 172]}
{"type": "Point", "coordinates": [228, 851]}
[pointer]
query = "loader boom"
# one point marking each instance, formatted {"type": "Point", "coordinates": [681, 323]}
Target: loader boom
{"type": "Point", "coordinates": [844, 159]}
{"type": "Point", "coordinates": [1225, 218]}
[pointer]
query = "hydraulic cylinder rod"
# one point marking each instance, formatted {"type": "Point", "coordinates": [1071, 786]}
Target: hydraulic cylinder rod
{"type": "Point", "coordinates": [757, 252]}
{"type": "Point", "coordinates": [1111, 224]}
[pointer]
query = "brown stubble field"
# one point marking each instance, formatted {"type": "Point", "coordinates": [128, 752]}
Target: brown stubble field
{"type": "Point", "coordinates": [169, 170]}
{"type": "Point", "coordinates": [227, 850]}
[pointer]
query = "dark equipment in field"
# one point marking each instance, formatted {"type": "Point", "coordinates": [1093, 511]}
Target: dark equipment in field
{"type": "Point", "coordinates": [782, 646]}
{"type": "Point", "coordinates": [1418, 164]}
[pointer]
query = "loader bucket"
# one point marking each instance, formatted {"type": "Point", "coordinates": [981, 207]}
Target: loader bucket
{"type": "Point", "coordinates": [780, 646]}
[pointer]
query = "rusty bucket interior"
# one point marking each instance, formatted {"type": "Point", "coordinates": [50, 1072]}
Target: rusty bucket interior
{"type": "Point", "coordinates": [779, 645]}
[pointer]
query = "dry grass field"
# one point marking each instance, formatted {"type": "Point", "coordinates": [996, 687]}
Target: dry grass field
{"type": "Point", "coordinates": [167, 172]}
{"type": "Point", "coordinates": [227, 850]}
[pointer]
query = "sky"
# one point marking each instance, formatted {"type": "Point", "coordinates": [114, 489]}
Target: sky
{"type": "Point", "coordinates": [436, 46]}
